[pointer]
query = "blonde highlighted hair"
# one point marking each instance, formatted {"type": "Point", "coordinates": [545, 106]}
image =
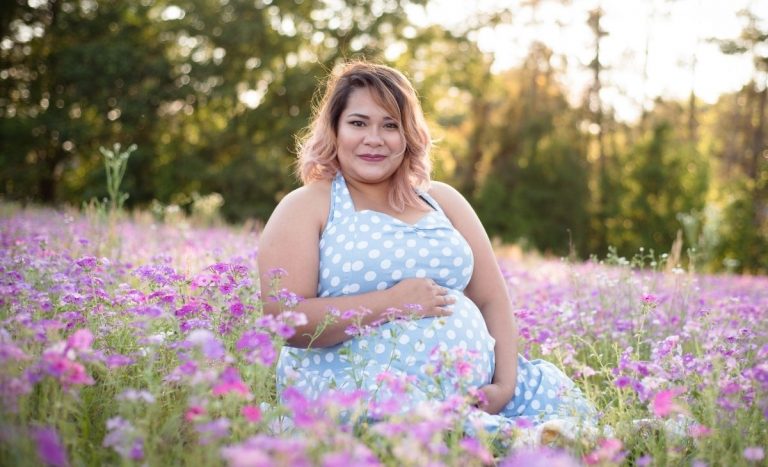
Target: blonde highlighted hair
{"type": "Point", "coordinates": [395, 94]}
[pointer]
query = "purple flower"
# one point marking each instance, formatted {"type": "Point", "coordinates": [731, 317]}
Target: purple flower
{"type": "Point", "coordinates": [276, 273]}
{"type": "Point", "coordinates": [121, 436]}
{"type": "Point", "coordinates": [644, 460]}
{"type": "Point", "coordinates": [541, 457]}
{"type": "Point", "coordinates": [87, 262]}
{"type": "Point", "coordinates": [754, 453]}
{"type": "Point", "coordinates": [194, 307]}
{"type": "Point", "coordinates": [9, 351]}
{"type": "Point", "coordinates": [49, 447]}
{"type": "Point", "coordinates": [219, 268]}
{"type": "Point", "coordinates": [213, 430]}
{"type": "Point", "coordinates": [137, 450]}
{"type": "Point", "coordinates": [158, 274]}
{"type": "Point", "coordinates": [236, 307]}
{"type": "Point", "coordinates": [258, 346]}
{"type": "Point", "coordinates": [204, 339]}
{"type": "Point", "coordinates": [117, 360]}
{"type": "Point", "coordinates": [11, 391]}
{"type": "Point", "coordinates": [133, 395]}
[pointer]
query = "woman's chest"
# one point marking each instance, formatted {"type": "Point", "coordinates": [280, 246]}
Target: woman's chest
{"type": "Point", "coordinates": [372, 251]}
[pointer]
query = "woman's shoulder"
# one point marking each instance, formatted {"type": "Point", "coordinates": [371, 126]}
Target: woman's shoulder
{"type": "Point", "coordinates": [447, 197]}
{"type": "Point", "coordinates": [309, 193]}
{"type": "Point", "coordinates": [309, 201]}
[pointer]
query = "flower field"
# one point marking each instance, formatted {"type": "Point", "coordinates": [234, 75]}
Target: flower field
{"type": "Point", "coordinates": [126, 341]}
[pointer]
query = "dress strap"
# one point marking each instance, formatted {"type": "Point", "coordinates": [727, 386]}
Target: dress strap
{"type": "Point", "coordinates": [430, 200]}
{"type": "Point", "coordinates": [341, 201]}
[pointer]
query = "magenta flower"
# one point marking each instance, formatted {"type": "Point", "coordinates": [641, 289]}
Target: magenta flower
{"type": "Point", "coordinates": [650, 299]}
{"type": "Point", "coordinates": [49, 447]}
{"type": "Point", "coordinates": [193, 411]}
{"type": "Point", "coordinates": [194, 307]}
{"type": "Point", "coordinates": [230, 382]}
{"type": "Point", "coordinates": [251, 413]}
{"type": "Point", "coordinates": [67, 371]}
{"type": "Point", "coordinates": [664, 402]}
{"type": "Point", "coordinates": [236, 307]}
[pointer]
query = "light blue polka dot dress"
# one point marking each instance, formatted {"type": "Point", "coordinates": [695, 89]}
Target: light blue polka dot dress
{"type": "Point", "coordinates": [364, 251]}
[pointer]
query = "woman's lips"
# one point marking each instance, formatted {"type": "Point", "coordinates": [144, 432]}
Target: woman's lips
{"type": "Point", "coordinates": [372, 157]}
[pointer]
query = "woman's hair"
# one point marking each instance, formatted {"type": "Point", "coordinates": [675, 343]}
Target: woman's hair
{"type": "Point", "coordinates": [395, 94]}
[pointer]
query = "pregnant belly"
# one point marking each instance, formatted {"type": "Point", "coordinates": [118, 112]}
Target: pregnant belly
{"type": "Point", "coordinates": [458, 347]}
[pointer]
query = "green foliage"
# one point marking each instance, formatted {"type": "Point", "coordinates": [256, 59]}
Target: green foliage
{"type": "Point", "coordinates": [115, 163]}
{"type": "Point", "coordinates": [659, 180]}
{"type": "Point", "coordinates": [214, 94]}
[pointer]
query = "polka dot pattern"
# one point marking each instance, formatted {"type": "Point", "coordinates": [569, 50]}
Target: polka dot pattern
{"type": "Point", "coordinates": [363, 251]}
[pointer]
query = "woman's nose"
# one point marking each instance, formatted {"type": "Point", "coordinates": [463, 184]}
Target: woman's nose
{"type": "Point", "coordinates": [372, 137]}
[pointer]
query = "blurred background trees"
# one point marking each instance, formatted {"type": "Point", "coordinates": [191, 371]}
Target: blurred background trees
{"type": "Point", "coordinates": [214, 92]}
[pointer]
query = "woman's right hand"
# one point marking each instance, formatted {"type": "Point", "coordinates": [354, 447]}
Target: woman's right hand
{"type": "Point", "coordinates": [422, 297]}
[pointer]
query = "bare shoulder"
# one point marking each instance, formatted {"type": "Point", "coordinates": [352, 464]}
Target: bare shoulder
{"type": "Point", "coordinates": [308, 204]}
{"type": "Point", "coordinates": [453, 203]}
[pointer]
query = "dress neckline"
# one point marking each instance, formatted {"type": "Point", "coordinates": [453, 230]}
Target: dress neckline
{"type": "Point", "coordinates": [421, 219]}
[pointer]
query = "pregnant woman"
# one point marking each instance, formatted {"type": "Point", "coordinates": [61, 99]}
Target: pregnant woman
{"type": "Point", "coordinates": [370, 231]}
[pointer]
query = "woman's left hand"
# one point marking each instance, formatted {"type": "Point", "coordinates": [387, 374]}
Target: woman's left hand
{"type": "Point", "coordinates": [496, 397]}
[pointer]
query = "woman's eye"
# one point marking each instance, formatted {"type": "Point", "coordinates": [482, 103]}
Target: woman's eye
{"type": "Point", "coordinates": [392, 126]}
{"type": "Point", "coordinates": [357, 123]}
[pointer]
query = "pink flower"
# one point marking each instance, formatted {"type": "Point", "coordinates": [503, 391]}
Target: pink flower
{"type": "Point", "coordinates": [226, 388]}
{"type": "Point", "coordinates": [193, 412]}
{"type": "Point", "coordinates": [664, 402]}
{"type": "Point", "coordinates": [464, 369]}
{"type": "Point", "coordinates": [650, 300]}
{"type": "Point", "coordinates": [68, 372]}
{"type": "Point", "coordinates": [540, 457]}
{"type": "Point", "coordinates": [609, 449]}
{"type": "Point", "coordinates": [699, 431]}
{"type": "Point", "coordinates": [80, 340]}
{"type": "Point", "coordinates": [754, 453]}
{"type": "Point", "coordinates": [230, 381]}
{"type": "Point", "coordinates": [476, 449]}
{"type": "Point", "coordinates": [523, 423]}
{"type": "Point", "coordinates": [251, 413]}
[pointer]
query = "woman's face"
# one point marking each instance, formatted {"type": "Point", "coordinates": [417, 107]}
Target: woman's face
{"type": "Point", "coordinates": [369, 142]}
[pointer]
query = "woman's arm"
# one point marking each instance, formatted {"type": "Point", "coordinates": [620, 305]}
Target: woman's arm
{"type": "Point", "coordinates": [488, 290]}
{"type": "Point", "coordinates": [290, 241]}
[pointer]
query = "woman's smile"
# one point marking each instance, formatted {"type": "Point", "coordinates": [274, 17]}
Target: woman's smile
{"type": "Point", "coordinates": [372, 157]}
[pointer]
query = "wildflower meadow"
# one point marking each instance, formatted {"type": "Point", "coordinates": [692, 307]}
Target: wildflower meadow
{"type": "Point", "coordinates": [125, 340]}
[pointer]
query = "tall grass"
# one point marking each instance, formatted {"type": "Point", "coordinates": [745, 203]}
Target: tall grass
{"type": "Point", "coordinates": [156, 351]}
